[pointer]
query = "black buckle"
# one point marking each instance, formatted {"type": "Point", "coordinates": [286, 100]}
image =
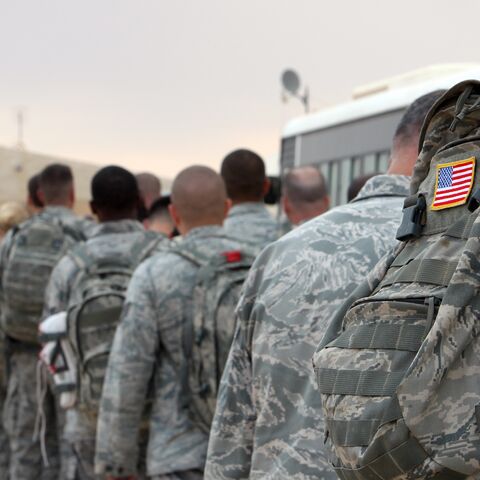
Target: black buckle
{"type": "Point", "coordinates": [474, 201]}
{"type": "Point", "coordinates": [412, 221]}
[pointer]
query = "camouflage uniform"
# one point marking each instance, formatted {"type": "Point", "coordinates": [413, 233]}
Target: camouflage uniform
{"type": "Point", "coordinates": [268, 423]}
{"type": "Point", "coordinates": [21, 406]}
{"type": "Point", "coordinates": [112, 239]}
{"type": "Point", "coordinates": [4, 449]}
{"type": "Point", "coordinates": [149, 345]}
{"type": "Point", "coordinates": [251, 223]}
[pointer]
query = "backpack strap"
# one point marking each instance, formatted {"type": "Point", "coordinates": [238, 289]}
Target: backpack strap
{"type": "Point", "coordinates": [462, 228]}
{"type": "Point", "coordinates": [199, 260]}
{"type": "Point", "coordinates": [192, 255]}
{"type": "Point", "coordinates": [431, 271]}
{"type": "Point", "coordinates": [143, 249]}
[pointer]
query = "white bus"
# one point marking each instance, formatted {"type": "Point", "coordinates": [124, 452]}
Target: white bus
{"type": "Point", "coordinates": [354, 138]}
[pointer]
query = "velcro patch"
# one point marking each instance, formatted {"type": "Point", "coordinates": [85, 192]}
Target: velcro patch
{"type": "Point", "coordinates": [453, 184]}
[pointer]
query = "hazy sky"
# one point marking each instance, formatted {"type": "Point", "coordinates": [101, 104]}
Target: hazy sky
{"type": "Point", "coordinates": [156, 84]}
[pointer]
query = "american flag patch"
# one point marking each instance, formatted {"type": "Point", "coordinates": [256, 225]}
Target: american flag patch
{"type": "Point", "coordinates": [454, 183]}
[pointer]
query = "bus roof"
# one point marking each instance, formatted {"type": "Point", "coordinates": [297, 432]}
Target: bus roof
{"type": "Point", "coordinates": [378, 103]}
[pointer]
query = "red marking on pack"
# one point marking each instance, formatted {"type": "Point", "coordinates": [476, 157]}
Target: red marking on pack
{"type": "Point", "coordinates": [233, 256]}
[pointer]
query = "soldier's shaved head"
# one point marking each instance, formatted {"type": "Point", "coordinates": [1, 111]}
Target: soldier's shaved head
{"type": "Point", "coordinates": [407, 134]}
{"type": "Point", "coordinates": [150, 188]}
{"type": "Point", "coordinates": [305, 194]}
{"type": "Point", "coordinates": [199, 198]}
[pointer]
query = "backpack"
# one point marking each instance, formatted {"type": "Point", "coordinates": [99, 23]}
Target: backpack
{"type": "Point", "coordinates": [208, 337]}
{"type": "Point", "coordinates": [92, 321]}
{"type": "Point", "coordinates": [37, 245]}
{"type": "Point", "coordinates": [399, 367]}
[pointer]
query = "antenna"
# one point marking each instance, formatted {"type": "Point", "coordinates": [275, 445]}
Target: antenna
{"type": "Point", "coordinates": [20, 118]}
{"type": "Point", "coordinates": [291, 85]}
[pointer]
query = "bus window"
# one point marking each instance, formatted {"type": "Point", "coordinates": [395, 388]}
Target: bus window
{"type": "Point", "coordinates": [345, 169]}
{"type": "Point", "coordinates": [370, 164]}
{"type": "Point", "coordinates": [324, 168]}
{"type": "Point", "coordinates": [357, 167]}
{"type": "Point", "coordinates": [383, 160]}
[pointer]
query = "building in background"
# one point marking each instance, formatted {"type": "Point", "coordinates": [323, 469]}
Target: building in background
{"type": "Point", "coordinates": [18, 165]}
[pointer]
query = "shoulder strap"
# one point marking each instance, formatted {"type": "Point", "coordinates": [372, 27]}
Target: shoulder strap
{"type": "Point", "coordinates": [191, 255]}
{"type": "Point", "coordinates": [462, 228]}
{"type": "Point", "coordinates": [144, 247]}
{"type": "Point", "coordinates": [79, 254]}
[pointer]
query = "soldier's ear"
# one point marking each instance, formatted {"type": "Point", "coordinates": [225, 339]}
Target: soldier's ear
{"type": "Point", "coordinates": [326, 202]}
{"type": "Point", "coordinates": [41, 196]}
{"type": "Point", "coordinates": [266, 186]}
{"type": "Point", "coordinates": [228, 206]}
{"type": "Point", "coordinates": [286, 205]}
{"type": "Point", "coordinates": [174, 214]}
{"type": "Point", "coordinates": [93, 207]}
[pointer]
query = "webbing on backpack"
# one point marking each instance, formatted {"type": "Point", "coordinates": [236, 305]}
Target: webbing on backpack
{"type": "Point", "coordinates": [400, 385]}
{"type": "Point", "coordinates": [387, 336]}
{"type": "Point", "coordinates": [207, 338]}
{"type": "Point", "coordinates": [101, 286]}
{"type": "Point", "coordinates": [398, 461]}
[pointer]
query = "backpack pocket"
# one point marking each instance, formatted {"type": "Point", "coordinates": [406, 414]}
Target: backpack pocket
{"type": "Point", "coordinates": [94, 325]}
{"type": "Point", "coordinates": [358, 374]}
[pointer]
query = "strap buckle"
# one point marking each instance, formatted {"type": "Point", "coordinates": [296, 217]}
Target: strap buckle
{"type": "Point", "coordinates": [474, 201]}
{"type": "Point", "coordinates": [412, 221]}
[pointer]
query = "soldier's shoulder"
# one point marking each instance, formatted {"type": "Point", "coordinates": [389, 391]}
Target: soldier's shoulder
{"type": "Point", "coordinates": [164, 262]}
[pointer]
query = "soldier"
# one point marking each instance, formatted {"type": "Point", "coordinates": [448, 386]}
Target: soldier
{"type": "Point", "coordinates": [11, 214]}
{"type": "Point", "coordinates": [27, 257]}
{"type": "Point", "coordinates": [304, 194]}
{"type": "Point", "coordinates": [34, 203]}
{"type": "Point", "coordinates": [268, 422]}
{"type": "Point", "coordinates": [153, 343]}
{"type": "Point", "coordinates": [150, 190]}
{"type": "Point", "coordinates": [159, 219]}
{"type": "Point", "coordinates": [357, 184]}
{"type": "Point", "coordinates": [248, 220]}
{"type": "Point", "coordinates": [115, 201]}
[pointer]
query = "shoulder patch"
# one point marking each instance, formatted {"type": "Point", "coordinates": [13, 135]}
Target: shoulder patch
{"type": "Point", "coordinates": [453, 184]}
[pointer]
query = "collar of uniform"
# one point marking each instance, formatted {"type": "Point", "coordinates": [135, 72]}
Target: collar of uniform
{"type": "Point", "coordinates": [207, 231]}
{"type": "Point", "coordinates": [247, 207]}
{"type": "Point", "coordinates": [57, 211]}
{"type": "Point", "coordinates": [385, 186]}
{"type": "Point", "coordinates": [119, 226]}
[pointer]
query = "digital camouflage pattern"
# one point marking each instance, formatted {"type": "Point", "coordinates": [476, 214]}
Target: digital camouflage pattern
{"type": "Point", "coordinates": [107, 240]}
{"type": "Point", "coordinates": [268, 423]}
{"type": "Point", "coordinates": [187, 475]}
{"type": "Point", "coordinates": [30, 252]}
{"type": "Point", "coordinates": [149, 349]}
{"type": "Point", "coordinates": [21, 404]}
{"type": "Point", "coordinates": [216, 292]}
{"type": "Point", "coordinates": [94, 312]}
{"type": "Point", "coordinates": [250, 223]}
{"type": "Point", "coordinates": [398, 370]}
{"type": "Point", "coordinates": [4, 449]}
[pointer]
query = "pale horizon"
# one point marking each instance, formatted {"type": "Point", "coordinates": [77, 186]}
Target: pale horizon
{"type": "Point", "coordinates": [157, 85]}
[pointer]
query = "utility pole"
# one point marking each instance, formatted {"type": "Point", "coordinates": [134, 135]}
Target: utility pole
{"type": "Point", "coordinates": [20, 128]}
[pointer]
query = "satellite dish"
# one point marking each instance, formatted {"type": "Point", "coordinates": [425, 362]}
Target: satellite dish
{"type": "Point", "coordinates": [291, 81]}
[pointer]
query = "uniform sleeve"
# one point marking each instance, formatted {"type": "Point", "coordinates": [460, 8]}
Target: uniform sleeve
{"type": "Point", "coordinates": [4, 248]}
{"type": "Point", "coordinates": [58, 289]}
{"type": "Point", "coordinates": [231, 438]}
{"type": "Point", "coordinates": [130, 367]}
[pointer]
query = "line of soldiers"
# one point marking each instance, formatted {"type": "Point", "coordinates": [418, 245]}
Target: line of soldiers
{"type": "Point", "coordinates": [131, 390]}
